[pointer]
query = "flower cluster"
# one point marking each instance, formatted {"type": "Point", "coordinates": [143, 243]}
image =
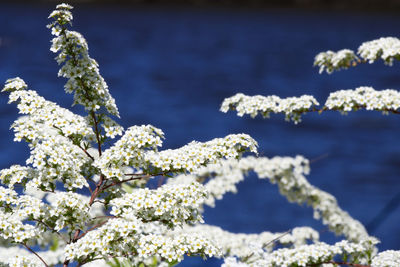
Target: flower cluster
{"type": "Point", "coordinates": [27, 261]}
{"type": "Point", "coordinates": [44, 112]}
{"type": "Point", "coordinates": [173, 205]}
{"type": "Point", "coordinates": [331, 61]}
{"type": "Point", "coordinates": [364, 97]}
{"type": "Point", "coordinates": [388, 258]}
{"type": "Point", "coordinates": [104, 241]}
{"type": "Point", "coordinates": [15, 84]}
{"type": "Point", "coordinates": [343, 100]}
{"type": "Point", "coordinates": [289, 174]}
{"type": "Point", "coordinates": [242, 245]}
{"type": "Point", "coordinates": [15, 175]}
{"type": "Point", "coordinates": [128, 238]}
{"type": "Point", "coordinates": [310, 255]}
{"type": "Point", "coordinates": [12, 228]}
{"type": "Point", "coordinates": [56, 137]}
{"type": "Point", "coordinates": [292, 107]}
{"type": "Point", "coordinates": [129, 150]}
{"type": "Point", "coordinates": [172, 248]}
{"type": "Point", "coordinates": [13, 211]}
{"type": "Point", "coordinates": [194, 155]}
{"type": "Point", "coordinates": [16, 257]}
{"type": "Point", "coordinates": [68, 209]}
{"type": "Point", "coordinates": [387, 49]}
{"type": "Point", "coordinates": [84, 79]}
{"type": "Point", "coordinates": [137, 148]}
{"type": "Point", "coordinates": [57, 158]}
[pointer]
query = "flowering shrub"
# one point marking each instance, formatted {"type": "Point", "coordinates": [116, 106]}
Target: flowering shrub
{"type": "Point", "coordinates": [77, 203]}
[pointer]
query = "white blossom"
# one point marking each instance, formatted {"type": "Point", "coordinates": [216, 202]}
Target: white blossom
{"type": "Point", "coordinates": [292, 107]}
{"type": "Point", "coordinates": [122, 219]}
{"type": "Point", "coordinates": [243, 245]}
{"type": "Point", "coordinates": [385, 48]}
{"type": "Point", "coordinates": [364, 97]}
{"type": "Point", "coordinates": [331, 61]}
{"type": "Point", "coordinates": [173, 205]}
{"type": "Point", "coordinates": [388, 258]}
{"type": "Point", "coordinates": [289, 174]}
{"type": "Point", "coordinates": [84, 79]}
{"type": "Point", "coordinates": [15, 256]}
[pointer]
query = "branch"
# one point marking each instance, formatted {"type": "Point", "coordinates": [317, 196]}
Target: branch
{"type": "Point", "coordinates": [87, 153]}
{"type": "Point", "coordinates": [98, 190]}
{"type": "Point", "coordinates": [127, 180]}
{"type": "Point", "coordinates": [93, 114]}
{"type": "Point", "coordinates": [92, 228]}
{"type": "Point", "coordinates": [37, 255]}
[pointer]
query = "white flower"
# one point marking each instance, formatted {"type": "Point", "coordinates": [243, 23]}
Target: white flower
{"type": "Point", "coordinates": [292, 107]}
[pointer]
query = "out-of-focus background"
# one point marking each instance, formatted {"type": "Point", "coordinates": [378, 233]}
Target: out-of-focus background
{"type": "Point", "coordinates": [171, 64]}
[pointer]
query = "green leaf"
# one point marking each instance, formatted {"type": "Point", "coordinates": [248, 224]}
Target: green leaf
{"type": "Point", "coordinates": [54, 247]}
{"type": "Point", "coordinates": [127, 188]}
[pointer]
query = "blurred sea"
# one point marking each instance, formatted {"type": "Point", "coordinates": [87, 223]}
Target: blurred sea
{"type": "Point", "coordinates": [172, 67]}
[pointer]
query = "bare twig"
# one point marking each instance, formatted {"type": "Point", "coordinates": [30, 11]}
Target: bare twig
{"type": "Point", "coordinates": [277, 238]}
{"type": "Point", "coordinates": [92, 228]}
{"type": "Point", "coordinates": [319, 158]}
{"type": "Point", "coordinates": [265, 245]}
{"type": "Point", "coordinates": [127, 180]}
{"type": "Point", "coordinates": [37, 255]}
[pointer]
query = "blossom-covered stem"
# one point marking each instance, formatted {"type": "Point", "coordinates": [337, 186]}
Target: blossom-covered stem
{"type": "Point", "coordinates": [339, 263]}
{"type": "Point", "coordinates": [92, 113]}
{"type": "Point", "coordinates": [37, 255]}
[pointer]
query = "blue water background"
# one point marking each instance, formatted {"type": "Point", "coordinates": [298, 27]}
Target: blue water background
{"type": "Point", "coordinates": [172, 67]}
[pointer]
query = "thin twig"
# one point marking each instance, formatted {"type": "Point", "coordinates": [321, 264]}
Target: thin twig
{"type": "Point", "coordinates": [87, 153]}
{"type": "Point", "coordinates": [104, 216]}
{"type": "Point", "coordinates": [126, 180]}
{"type": "Point", "coordinates": [98, 190]}
{"type": "Point", "coordinates": [96, 131]}
{"type": "Point", "coordinates": [265, 245]}
{"type": "Point", "coordinates": [91, 229]}
{"type": "Point", "coordinates": [37, 255]}
{"type": "Point", "coordinates": [277, 238]}
{"type": "Point", "coordinates": [319, 158]}
{"type": "Point", "coordinates": [136, 174]}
